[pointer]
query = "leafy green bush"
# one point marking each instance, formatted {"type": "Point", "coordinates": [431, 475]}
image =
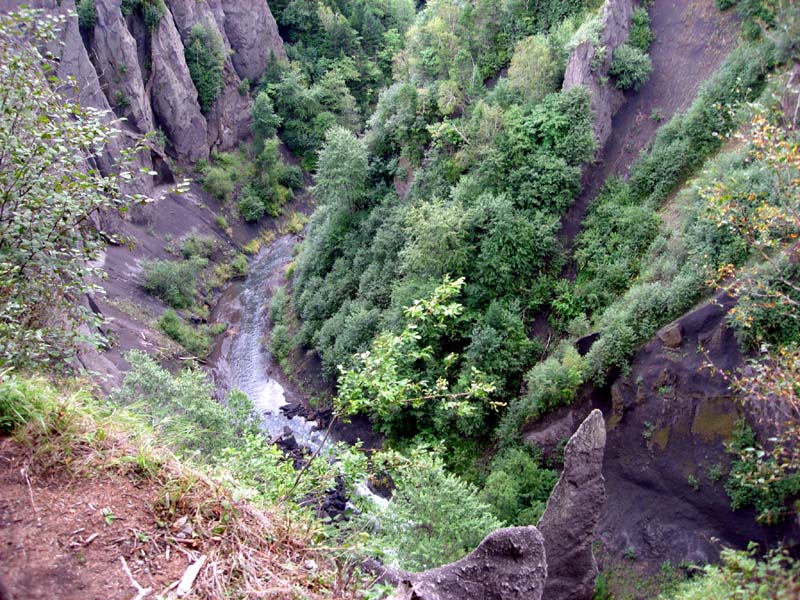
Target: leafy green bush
{"type": "Point", "coordinates": [640, 35]}
{"type": "Point", "coordinates": [50, 194]}
{"type": "Point", "coordinates": [291, 176]}
{"type": "Point", "coordinates": [174, 282]}
{"type": "Point", "coordinates": [182, 408]}
{"type": "Point", "coordinates": [196, 339]}
{"type": "Point", "coordinates": [631, 67]}
{"type": "Point", "coordinates": [743, 576]}
{"type": "Point", "coordinates": [218, 181]}
{"type": "Point", "coordinates": [745, 484]}
{"type": "Point", "coordinates": [194, 246]}
{"type": "Point", "coordinates": [251, 206]}
{"type": "Point", "coordinates": [240, 265]}
{"type": "Point", "coordinates": [87, 14]}
{"type": "Point", "coordinates": [433, 517]}
{"type": "Point", "coordinates": [518, 487]}
{"type": "Point", "coordinates": [551, 383]}
{"type": "Point", "coordinates": [150, 10]}
{"type": "Point", "coordinates": [205, 57]}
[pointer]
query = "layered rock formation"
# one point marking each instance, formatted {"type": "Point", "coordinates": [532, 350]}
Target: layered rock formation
{"type": "Point", "coordinates": [508, 565]}
{"type": "Point", "coordinates": [573, 512]}
{"type": "Point", "coordinates": [142, 74]}
{"type": "Point", "coordinates": [589, 63]}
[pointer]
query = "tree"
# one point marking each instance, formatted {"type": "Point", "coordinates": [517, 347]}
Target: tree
{"type": "Point", "coordinates": [265, 121]}
{"type": "Point", "coordinates": [50, 195]}
{"type": "Point", "coordinates": [534, 71]}
{"type": "Point", "coordinates": [386, 380]}
{"type": "Point", "coordinates": [205, 57]}
{"type": "Point", "coordinates": [631, 67]}
{"type": "Point", "coordinates": [341, 178]}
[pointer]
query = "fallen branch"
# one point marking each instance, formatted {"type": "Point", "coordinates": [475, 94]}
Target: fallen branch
{"type": "Point", "coordinates": [142, 592]}
{"type": "Point", "coordinates": [24, 472]}
{"type": "Point", "coordinates": [187, 581]}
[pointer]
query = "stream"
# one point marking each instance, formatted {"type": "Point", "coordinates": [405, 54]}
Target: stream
{"type": "Point", "coordinates": [241, 359]}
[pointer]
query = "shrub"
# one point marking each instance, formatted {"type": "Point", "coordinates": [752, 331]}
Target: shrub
{"type": "Point", "coordinates": [221, 222]}
{"type": "Point", "coordinates": [240, 266]}
{"type": "Point", "coordinates": [551, 383]}
{"type": "Point", "coordinates": [152, 11]}
{"type": "Point", "coordinates": [518, 487]}
{"type": "Point", "coordinates": [194, 246]}
{"type": "Point", "coordinates": [640, 35]}
{"type": "Point", "coordinates": [174, 282]}
{"type": "Point", "coordinates": [87, 14]}
{"type": "Point", "coordinates": [291, 176]}
{"type": "Point", "coordinates": [433, 517]}
{"type": "Point", "coordinates": [205, 57]}
{"type": "Point", "coordinates": [218, 182]}
{"type": "Point", "coordinates": [631, 67]}
{"type": "Point", "coordinates": [251, 207]}
{"type": "Point", "coordinates": [51, 194]}
{"type": "Point", "coordinates": [746, 483]}
{"type": "Point", "coordinates": [182, 409]}
{"type": "Point", "coordinates": [197, 340]}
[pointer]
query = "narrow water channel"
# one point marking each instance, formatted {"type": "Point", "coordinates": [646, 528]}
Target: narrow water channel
{"type": "Point", "coordinates": [241, 359]}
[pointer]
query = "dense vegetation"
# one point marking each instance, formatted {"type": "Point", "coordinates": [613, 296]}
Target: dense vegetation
{"type": "Point", "coordinates": [432, 282]}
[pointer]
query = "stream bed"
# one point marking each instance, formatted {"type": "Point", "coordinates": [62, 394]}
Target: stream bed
{"type": "Point", "coordinates": [241, 359]}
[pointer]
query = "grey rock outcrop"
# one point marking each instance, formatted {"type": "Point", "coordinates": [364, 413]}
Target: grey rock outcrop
{"type": "Point", "coordinates": [228, 120]}
{"type": "Point", "coordinates": [589, 69]}
{"type": "Point", "coordinates": [253, 34]}
{"type": "Point", "coordinates": [117, 63]}
{"type": "Point", "coordinates": [174, 95]}
{"type": "Point", "coordinates": [509, 564]}
{"type": "Point", "coordinates": [573, 512]}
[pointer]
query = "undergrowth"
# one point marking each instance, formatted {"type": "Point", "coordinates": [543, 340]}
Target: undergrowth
{"type": "Point", "coordinates": [253, 549]}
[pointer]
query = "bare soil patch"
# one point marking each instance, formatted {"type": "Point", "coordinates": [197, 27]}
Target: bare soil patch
{"type": "Point", "coordinates": [63, 537]}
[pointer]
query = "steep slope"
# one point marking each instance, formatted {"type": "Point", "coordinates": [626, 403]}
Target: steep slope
{"type": "Point", "coordinates": [692, 39]}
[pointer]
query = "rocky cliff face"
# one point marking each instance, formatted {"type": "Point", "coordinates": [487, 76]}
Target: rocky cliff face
{"type": "Point", "coordinates": [573, 512]}
{"type": "Point", "coordinates": [142, 74]}
{"type": "Point", "coordinates": [665, 463]}
{"type": "Point", "coordinates": [589, 63]}
{"type": "Point", "coordinates": [508, 565]}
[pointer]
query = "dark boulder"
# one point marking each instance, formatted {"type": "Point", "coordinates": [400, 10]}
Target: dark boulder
{"type": "Point", "coordinates": [509, 564]}
{"type": "Point", "coordinates": [573, 512]}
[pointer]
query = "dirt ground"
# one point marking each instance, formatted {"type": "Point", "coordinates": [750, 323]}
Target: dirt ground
{"type": "Point", "coordinates": [692, 39]}
{"type": "Point", "coordinates": [62, 538]}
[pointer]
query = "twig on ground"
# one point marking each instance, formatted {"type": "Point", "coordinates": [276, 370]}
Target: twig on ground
{"type": "Point", "coordinates": [142, 592]}
{"type": "Point", "coordinates": [187, 581]}
{"type": "Point", "coordinates": [24, 472]}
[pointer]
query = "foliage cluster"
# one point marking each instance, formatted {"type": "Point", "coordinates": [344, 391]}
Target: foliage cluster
{"type": "Point", "coordinates": [257, 179]}
{"type": "Point", "coordinates": [205, 57]}
{"type": "Point", "coordinates": [743, 576]}
{"type": "Point", "coordinates": [87, 14]}
{"type": "Point", "coordinates": [151, 11]}
{"type": "Point", "coordinates": [196, 339]}
{"type": "Point", "coordinates": [51, 193]}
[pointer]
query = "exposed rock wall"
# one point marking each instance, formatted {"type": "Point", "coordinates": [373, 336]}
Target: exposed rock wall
{"type": "Point", "coordinates": [508, 565]}
{"type": "Point", "coordinates": [665, 463]}
{"type": "Point", "coordinates": [174, 96]}
{"type": "Point", "coordinates": [588, 66]}
{"type": "Point", "coordinates": [573, 512]}
{"type": "Point", "coordinates": [142, 75]}
{"type": "Point", "coordinates": [253, 34]}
